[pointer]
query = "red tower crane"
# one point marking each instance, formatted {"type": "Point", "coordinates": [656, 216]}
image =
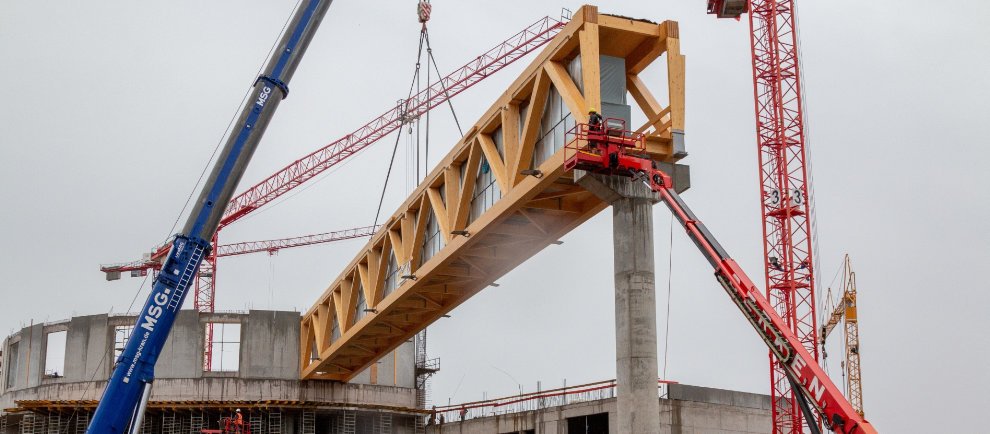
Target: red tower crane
{"type": "Point", "coordinates": [243, 248]}
{"type": "Point", "coordinates": [787, 236]}
{"type": "Point", "coordinates": [311, 165]}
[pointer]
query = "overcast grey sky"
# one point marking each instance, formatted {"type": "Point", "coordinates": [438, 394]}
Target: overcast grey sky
{"type": "Point", "coordinates": [111, 109]}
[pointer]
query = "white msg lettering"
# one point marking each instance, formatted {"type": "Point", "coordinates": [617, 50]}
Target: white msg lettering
{"type": "Point", "coordinates": [263, 96]}
{"type": "Point", "coordinates": [154, 312]}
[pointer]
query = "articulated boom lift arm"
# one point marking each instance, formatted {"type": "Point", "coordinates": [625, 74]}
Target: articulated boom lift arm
{"type": "Point", "coordinates": [129, 388]}
{"type": "Point", "coordinates": [610, 150]}
{"type": "Point", "coordinates": [802, 368]}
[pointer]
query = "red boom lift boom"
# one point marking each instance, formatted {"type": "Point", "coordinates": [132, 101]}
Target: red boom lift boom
{"type": "Point", "coordinates": [612, 150]}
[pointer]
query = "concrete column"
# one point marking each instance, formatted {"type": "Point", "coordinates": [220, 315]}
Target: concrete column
{"type": "Point", "coordinates": [638, 406]}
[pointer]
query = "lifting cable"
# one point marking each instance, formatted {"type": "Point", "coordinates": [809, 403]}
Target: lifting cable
{"type": "Point", "coordinates": [424, 39]}
{"type": "Point", "coordinates": [398, 135]}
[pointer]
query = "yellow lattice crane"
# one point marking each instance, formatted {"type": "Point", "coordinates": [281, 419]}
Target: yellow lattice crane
{"type": "Point", "coordinates": [845, 311]}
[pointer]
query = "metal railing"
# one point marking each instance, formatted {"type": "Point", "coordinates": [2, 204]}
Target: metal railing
{"type": "Point", "coordinates": [534, 401]}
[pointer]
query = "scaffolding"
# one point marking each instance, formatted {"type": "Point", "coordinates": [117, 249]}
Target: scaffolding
{"type": "Point", "coordinates": [54, 424]}
{"type": "Point", "coordinates": [82, 422]}
{"type": "Point", "coordinates": [275, 422]}
{"type": "Point", "coordinates": [348, 422]}
{"type": "Point", "coordinates": [31, 424]}
{"type": "Point", "coordinates": [196, 422]}
{"type": "Point", "coordinates": [256, 423]}
{"type": "Point", "coordinates": [169, 423]}
{"type": "Point", "coordinates": [308, 422]}
{"type": "Point", "coordinates": [385, 424]}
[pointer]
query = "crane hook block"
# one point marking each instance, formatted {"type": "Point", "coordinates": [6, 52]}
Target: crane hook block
{"type": "Point", "coordinates": [423, 11]}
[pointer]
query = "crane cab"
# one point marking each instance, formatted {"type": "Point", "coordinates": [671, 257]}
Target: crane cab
{"type": "Point", "coordinates": [728, 8]}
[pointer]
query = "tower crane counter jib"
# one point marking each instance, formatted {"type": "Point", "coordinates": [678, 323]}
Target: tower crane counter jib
{"type": "Point", "coordinates": [611, 150]}
{"type": "Point", "coordinates": [129, 388]}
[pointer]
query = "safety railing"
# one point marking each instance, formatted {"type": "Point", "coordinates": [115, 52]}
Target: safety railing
{"type": "Point", "coordinates": [533, 401]}
{"type": "Point", "coordinates": [590, 142]}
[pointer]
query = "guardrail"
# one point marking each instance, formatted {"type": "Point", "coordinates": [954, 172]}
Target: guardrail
{"type": "Point", "coordinates": [533, 401]}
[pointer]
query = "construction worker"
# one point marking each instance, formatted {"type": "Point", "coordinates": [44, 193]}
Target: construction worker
{"type": "Point", "coordinates": [238, 422]}
{"type": "Point", "coordinates": [595, 125]}
{"type": "Point", "coordinates": [595, 120]}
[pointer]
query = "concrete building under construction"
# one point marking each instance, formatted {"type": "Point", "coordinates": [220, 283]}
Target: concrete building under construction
{"type": "Point", "coordinates": [263, 381]}
{"type": "Point", "coordinates": [260, 377]}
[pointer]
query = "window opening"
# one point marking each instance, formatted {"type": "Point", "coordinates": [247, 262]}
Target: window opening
{"type": "Point", "coordinates": [434, 241]}
{"type": "Point", "coordinates": [12, 364]}
{"type": "Point", "coordinates": [314, 352]}
{"type": "Point", "coordinates": [55, 354]}
{"type": "Point", "coordinates": [486, 189]}
{"type": "Point", "coordinates": [335, 331]}
{"type": "Point", "coordinates": [391, 275]}
{"type": "Point", "coordinates": [120, 336]}
{"type": "Point", "coordinates": [361, 304]}
{"type": "Point", "coordinates": [554, 125]}
{"type": "Point", "coordinates": [226, 347]}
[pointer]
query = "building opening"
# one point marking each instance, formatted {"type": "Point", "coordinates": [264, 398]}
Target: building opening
{"type": "Point", "coordinates": [55, 354]}
{"type": "Point", "coordinates": [226, 347]}
{"type": "Point", "coordinates": [120, 336]}
{"type": "Point", "coordinates": [12, 354]}
{"type": "Point", "coordinates": [590, 424]}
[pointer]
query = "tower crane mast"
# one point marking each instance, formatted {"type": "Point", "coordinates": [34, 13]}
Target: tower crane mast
{"type": "Point", "coordinates": [846, 311]}
{"type": "Point", "coordinates": [789, 264]}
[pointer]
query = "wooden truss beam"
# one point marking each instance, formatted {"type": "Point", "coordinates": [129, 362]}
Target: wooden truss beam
{"type": "Point", "coordinates": [530, 213]}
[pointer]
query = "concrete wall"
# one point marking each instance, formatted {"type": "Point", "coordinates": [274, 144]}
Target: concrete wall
{"type": "Point", "coordinates": [224, 389]}
{"type": "Point", "coordinates": [182, 355]}
{"type": "Point", "coordinates": [268, 365]}
{"type": "Point", "coordinates": [270, 345]}
{"type": "Point", "coordinates": [85, 347]}
{"type": "Point", "coordinates": [689, 410]}
{"type": "Point", "coordinates": [28, 368]}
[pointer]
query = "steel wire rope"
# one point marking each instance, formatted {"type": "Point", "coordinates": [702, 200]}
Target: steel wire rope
{"type": "Point", "coordinates": [216, 148]}
{"type": "Point", "coordinates": [429, 104]}
{"type": "Point", "coordinates": [398, 136]}
{"type": "Point", "coordinates": [424, 37]}
{"type": "Point", "coordinates": [450, 104]}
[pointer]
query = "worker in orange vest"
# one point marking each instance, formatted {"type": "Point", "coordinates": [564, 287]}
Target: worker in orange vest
{"type": "Point", "coordinates": [238, 422]}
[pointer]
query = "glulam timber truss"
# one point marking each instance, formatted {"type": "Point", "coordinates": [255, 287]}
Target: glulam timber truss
{"type": "Point", "coordinates": [395, 286]}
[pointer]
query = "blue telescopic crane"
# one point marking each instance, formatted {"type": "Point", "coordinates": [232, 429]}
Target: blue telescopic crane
{"type": "Point", "coordinates": [126, 396]}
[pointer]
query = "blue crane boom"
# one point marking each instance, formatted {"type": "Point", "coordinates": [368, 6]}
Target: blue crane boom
{"type": "Point", "coordinates": [129, 388]}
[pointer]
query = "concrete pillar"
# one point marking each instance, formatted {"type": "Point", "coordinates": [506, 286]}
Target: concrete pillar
{"type": "Point", "coordinates": [638, 405]}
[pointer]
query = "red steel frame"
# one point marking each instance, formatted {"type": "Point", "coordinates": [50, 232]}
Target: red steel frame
{"type": "Point", "coordinates": [788, 261]}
